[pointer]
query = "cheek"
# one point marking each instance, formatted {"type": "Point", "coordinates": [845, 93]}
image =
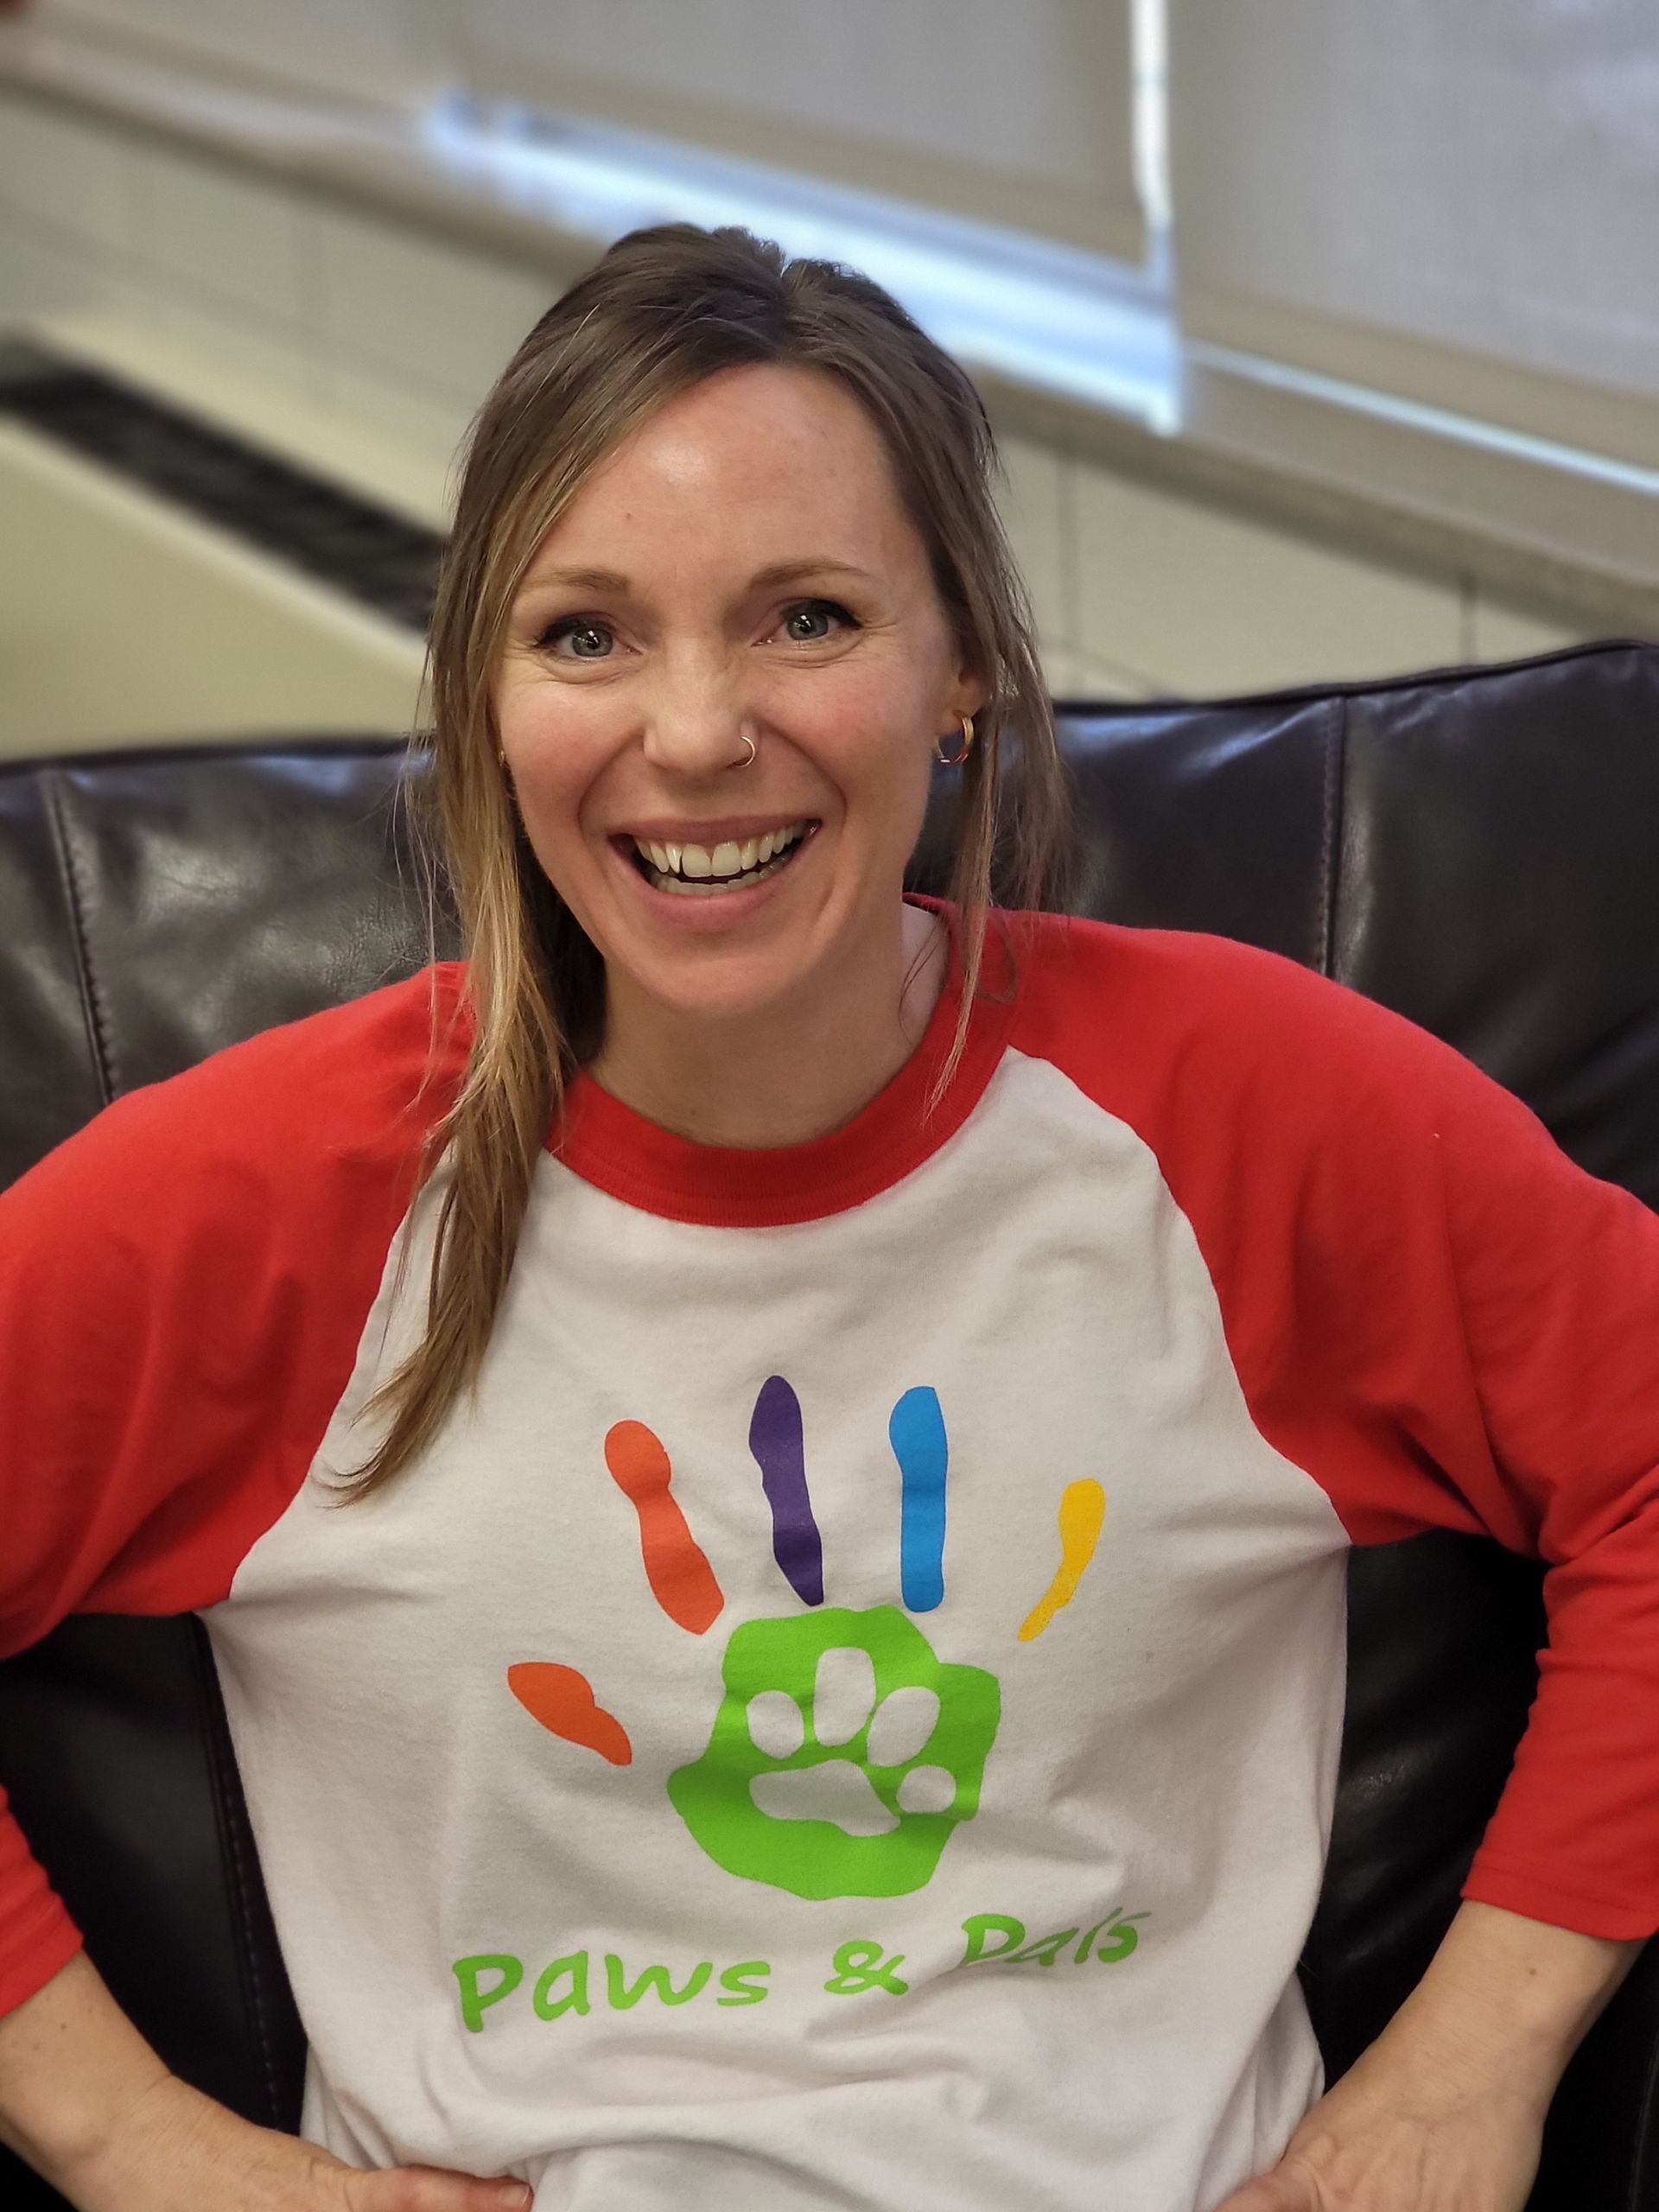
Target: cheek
{"type": "Point", "coordinates": [898, 780]}
{"type": "Point", "coordinates": [558, 748]}
{"type": "Point", "coordinates": [868, 733]}
{"type": "Point", "coordinates": [547, 793]}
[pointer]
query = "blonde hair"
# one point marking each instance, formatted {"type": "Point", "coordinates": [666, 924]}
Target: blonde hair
{"type": "Point", "coordinates": [662, 310]}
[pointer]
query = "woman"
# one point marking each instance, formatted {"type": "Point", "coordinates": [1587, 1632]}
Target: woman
{"type": "Point", "coordinates": [771, 1507]}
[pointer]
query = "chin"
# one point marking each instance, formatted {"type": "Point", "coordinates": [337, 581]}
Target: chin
{"type": "Point", "coordinates": [718, 991]}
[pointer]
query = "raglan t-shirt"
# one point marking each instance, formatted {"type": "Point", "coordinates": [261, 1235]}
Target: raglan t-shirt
{"type": "Point", "coordinates": [847, 1713]}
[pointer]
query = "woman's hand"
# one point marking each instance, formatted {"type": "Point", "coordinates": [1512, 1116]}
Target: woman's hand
{"type": "Point", "coordinates": [1395, 2136]}
{"type": "Point", "coordinates": [1444, 2113]}
{"type": "Point", "coordinates": [87, 2101]}
{"type": "Point", "coordinates": [177, 2151]}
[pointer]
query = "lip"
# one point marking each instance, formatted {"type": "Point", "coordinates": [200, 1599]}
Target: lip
{"type": "Point", "coordinates": [706, 916]}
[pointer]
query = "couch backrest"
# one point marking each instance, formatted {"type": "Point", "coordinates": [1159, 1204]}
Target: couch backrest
{"type": "Point", "coordinates": [1474, 847]}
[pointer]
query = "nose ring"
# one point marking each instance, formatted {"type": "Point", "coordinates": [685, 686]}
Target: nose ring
{"type": "Point", "coordinates": [749, 759]}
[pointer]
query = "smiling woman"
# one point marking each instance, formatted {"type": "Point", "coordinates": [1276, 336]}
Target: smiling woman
{"type": "Point", "coordinates": [726, 565]}
{"type": "Point", "coordinates": [851, 1413]}
{"type": "Point", "coordinates": [710, 698]}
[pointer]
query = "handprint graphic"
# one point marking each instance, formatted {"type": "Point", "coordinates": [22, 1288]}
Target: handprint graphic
{"type": "Point", "coordinates": [844, 1752]}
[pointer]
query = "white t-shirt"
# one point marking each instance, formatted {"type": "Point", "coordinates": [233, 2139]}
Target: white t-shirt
{"type": "Point", "coordinates": [847, 1715]}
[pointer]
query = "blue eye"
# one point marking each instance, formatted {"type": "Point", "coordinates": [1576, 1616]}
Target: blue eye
{"type": "Point", "coordinates": [815, 610]}
{"type": "Point", "coordinates": [576, 628]}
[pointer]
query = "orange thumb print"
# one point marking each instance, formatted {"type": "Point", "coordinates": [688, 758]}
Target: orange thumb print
{"type": "Point", "coordinates": [564, 1701]}
{"type": "Point", "coordinates": [681, 1579]}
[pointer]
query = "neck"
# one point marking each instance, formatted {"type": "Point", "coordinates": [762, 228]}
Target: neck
{"type": "Point", "coordinates": [789, 1074]}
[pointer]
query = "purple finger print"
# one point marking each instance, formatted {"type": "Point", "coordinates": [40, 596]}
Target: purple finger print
{"type": "Point", "coordinates": [775, 1439]}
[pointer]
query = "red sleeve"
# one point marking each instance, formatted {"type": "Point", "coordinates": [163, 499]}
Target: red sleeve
{"type": "Point", "coordinates": [1442, 1319]}
{"type": "Point", "coordinates": [183, 1286]}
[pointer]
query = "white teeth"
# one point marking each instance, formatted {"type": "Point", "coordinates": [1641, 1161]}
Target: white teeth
{"type": "Point", "coordinates": [681, 889]}
{"type": "Point", "coordinates": [730, 865]}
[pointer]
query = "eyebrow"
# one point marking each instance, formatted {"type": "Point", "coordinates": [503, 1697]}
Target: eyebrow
{"type": "Point", "coordinates": [778, 572]}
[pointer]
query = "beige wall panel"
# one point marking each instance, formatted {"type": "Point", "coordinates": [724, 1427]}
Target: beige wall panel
{"type": "Point", "coordinates": [125, 622]}
{"type": "Point", "coordinates": [1503, 632]}
{"type": "Point", "coordinates": [70, 175]}
{"type": "Point", "coordinates": [438, 318]}
{"type": "Point", "coordinates": [214, 235]}
{"type": "Point", "coordinates": [425, 425]}
{"type": "Point", "coordinates": [226, 345]}
{"type": "Point", "coordinates": [1034, 506]}
{"type": "Point", "coordinates": [38, 275]}
{"type": "Point", "coordinates": [1081, 676]}
{"type": "Point", "coordinates": [1202, 601]}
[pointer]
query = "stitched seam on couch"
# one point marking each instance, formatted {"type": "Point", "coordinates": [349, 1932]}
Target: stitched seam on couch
{"type": "Point", "coordinates": [1334, 741]}
{"type": "Point", "coordinates": [98, 1036]}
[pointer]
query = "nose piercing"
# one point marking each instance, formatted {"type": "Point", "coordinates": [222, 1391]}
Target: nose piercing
{"type": "Point", "coordinates": [749, 759]}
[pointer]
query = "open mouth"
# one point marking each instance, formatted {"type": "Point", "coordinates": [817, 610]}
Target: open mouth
{"type": "Point", "coordinates": [706, 871]}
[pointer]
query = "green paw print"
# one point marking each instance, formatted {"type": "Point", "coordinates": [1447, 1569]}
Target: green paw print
{"type": "Point", "coordinates": [843, 1755]}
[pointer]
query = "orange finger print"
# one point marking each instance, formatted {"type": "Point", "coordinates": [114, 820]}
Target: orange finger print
{"type": "Point", "coordinates": [564, 1701]}
{"type": "Point", "coordinates": [681, 1579]}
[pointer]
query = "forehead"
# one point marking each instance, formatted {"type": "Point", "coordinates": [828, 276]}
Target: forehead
{"type": "Point", "coordinates": [761, 461]}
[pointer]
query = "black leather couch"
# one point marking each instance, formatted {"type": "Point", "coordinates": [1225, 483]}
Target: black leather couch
{"type": "Point", "coordinates": [1475, 847]}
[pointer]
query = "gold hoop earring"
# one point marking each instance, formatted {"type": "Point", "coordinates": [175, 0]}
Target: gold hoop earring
{"type": "Point", "coordinates": [749, 759]}
{"type": "Point", "coordinates": [956, 759]}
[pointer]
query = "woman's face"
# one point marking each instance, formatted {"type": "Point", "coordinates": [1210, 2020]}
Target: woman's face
{"type": "Point", "coordinates": [740, 567]}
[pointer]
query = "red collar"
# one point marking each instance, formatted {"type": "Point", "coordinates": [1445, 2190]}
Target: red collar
{"type": "Point", "coordinates": [619, 1152]}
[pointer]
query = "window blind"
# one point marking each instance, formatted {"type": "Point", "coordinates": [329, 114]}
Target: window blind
{"type": "Point", "coordinates": [1456, 201]}
{"type": "Point", "coordinates": [1017, 114]}
{"type": "Point", "coordinates": [371, 49]}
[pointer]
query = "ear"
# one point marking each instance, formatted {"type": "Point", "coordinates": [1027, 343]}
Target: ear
{"type": "Point", "coordinates": [967, 695]}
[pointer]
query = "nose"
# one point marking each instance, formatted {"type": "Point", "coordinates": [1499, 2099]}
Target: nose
{"type": "Point", "coordinates": [699, 723]}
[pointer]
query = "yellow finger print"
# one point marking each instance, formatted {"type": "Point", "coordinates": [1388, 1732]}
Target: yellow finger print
{"type": "Point", "coordinates": [1082, 1515]}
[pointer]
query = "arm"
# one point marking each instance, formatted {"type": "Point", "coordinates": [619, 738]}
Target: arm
{"type": "Point", "coordinates": [88, 2104]}
{"type": "Point", "coordinates": [1494, 1325]}
{"type": "Point", "coordinates": [183, 1286]}
{"type": "Point", "coordinates": [1445, 2110]}
{"type": "Point", "coordinates": [1446, 1324]}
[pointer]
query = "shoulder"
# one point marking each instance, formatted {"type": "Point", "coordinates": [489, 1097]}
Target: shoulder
{"type": "Point", "coordinates": [1172, 980]}
{"type": "Point", "coordinates": [281, 1125]}
{"type": "Point", "coordinates": [184, 1286]}
{"type": "Point", "coordinates": [1132, 1009]}
{"type": "Point", "coordinates": [1243, 1064]}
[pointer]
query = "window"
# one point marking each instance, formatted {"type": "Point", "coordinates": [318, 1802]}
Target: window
{"type": "Point", "coordinates": [1454, 201]}
{"type": "Point", "coordinates": [375, 50]}
{"type": "Point", "coordinates": [1016, 115]}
